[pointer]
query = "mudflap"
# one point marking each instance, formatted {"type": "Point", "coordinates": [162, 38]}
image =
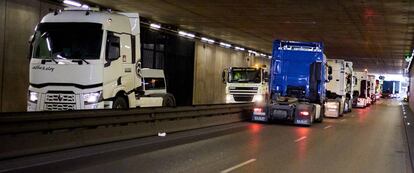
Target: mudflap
{"type": "Point", "coordinates": [332, 107]}
{"type": "Point", "coordinates": [304, 114]}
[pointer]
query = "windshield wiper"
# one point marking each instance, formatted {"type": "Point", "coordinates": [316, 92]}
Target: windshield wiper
{"type": "Point", "coordinates": [84, 60]}
{"type": "Point", "coordinates": [80, 60]}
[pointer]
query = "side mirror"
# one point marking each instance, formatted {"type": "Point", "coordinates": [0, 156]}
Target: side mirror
{"type": "Point", "coordinates": [223, 76]}
{"type": "Point", "coordinates": [31, 39]}
{"type": "Point", "coordinates": [266, 76]}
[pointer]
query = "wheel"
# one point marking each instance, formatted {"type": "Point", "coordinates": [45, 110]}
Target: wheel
{"type": "Point", "coordinates": [168, 101]}
{"type": "Point", "coordinates": [120, 103]}
{"type": "Point", "coordinates": [322, 114]}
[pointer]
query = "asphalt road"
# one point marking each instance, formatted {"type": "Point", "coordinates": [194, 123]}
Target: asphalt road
{"type": "Point", "coordinates": [366, 140]}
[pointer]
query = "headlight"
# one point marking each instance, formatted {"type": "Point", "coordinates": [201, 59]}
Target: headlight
{"type": "Point", "coordinates": [33, 96]}
{"type": "Point", "coordinates": [90, 98]}
{"type": "Point", "coordinates": [229, 98]}
{"type": "Point", "coordinates": [258, 98]}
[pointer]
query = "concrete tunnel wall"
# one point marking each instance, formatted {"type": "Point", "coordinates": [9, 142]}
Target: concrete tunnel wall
{"type": "Point", "coordinates": [18, 19]}
{"type": "Point", "coordinates": [411, 88]}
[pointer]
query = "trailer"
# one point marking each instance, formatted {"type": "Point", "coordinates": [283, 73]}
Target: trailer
{"type": "Point", "coordinates": [298, 76]}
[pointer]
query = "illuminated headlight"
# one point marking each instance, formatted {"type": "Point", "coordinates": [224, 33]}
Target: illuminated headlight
{"type": "Point", "coordinates": [33, 96]}
{"type": "Point", "coordinates": [90, 98]}
{"type": "Point", "coordinates": [229, 97]}
{"type": "Point", "coordinates": [258, 98]}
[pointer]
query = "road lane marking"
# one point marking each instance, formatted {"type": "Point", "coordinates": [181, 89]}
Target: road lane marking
{"type": "Point", "coordinates": [301, 138]}
{"type": "Point", "coordinates": [327, 127]}
{"type": "Point", "coordinates": [238, 166]}
{"type": "Point", "coordinates": [343, 120]}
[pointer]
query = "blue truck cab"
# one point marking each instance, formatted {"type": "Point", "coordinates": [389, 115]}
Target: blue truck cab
{"type": "Point", "coordinates": [298, 77]}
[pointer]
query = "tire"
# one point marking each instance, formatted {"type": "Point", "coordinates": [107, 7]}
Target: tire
{"type": "Point", "coordinates": [168, 101]}
{"type": "Point", "coordinates": [120, 103]}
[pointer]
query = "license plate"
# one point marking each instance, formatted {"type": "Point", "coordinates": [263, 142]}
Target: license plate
{"type": "Point", "coordinates": [302, 122]}
{"type": "Point", "coordinates": [259, 118]}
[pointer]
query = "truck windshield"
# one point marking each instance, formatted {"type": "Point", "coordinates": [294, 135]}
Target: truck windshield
{"type": "Point", "coordinates": [67, 41]}
{"type": "Point", "coordinates": [245, 75]}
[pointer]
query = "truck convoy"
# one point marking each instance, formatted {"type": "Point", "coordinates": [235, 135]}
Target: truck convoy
{"type": "Point", "coordinates": [298, 76]}
{"type": "Point", "coordinates": [339, 89]}
{"type": "Point", "coordinates": [245, 84]}
{"type": "Point", "coordinates": [86, 59]}
{"type": "Point", "coordinates": [361, 90]}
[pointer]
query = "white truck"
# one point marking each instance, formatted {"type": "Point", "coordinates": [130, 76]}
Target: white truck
{"type": "Point", "coordinates": [339, 88]}
{"type": "Point", "coordinates": [245, 84]}
{"type": "Point", "coordinates": [361, 90]}
{"type": "Point", "coordinates": [372, 84]}
{"type": "Point", "coordinates": [89, 59]}
{"type": "Point", "coordinates": [350, 81]}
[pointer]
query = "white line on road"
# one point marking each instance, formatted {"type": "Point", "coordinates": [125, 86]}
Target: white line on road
{"type": "Point", "coordinates": [301, 138]}
{"type": "Point", "coordinates": [327, 127]}
{"type": "Point", "coordinates": [343, 120]}
{"type": "Point", "coordinates": [238, 166]}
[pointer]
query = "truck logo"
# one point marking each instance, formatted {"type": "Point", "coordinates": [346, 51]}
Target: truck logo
{"type": "Point", "coordinates": [44, 68]}
{"type": "Point", "coordinates": [60, 97]}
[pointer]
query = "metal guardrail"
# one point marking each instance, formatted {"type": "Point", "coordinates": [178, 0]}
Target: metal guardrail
{"type": "Point", "coordinates": [28, 133]}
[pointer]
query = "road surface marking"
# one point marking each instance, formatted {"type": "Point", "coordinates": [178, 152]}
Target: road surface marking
{"type": "Point", "coordinates": [327, 127]}
{"type": "Point", "coordinates": [343, 120]}
{"type": "Point", "coordinates": [302, 138]}
{"type": "Point", "coordinates": [238, 166]}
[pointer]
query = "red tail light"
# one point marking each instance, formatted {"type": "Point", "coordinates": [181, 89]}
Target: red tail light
{"type": "Point", "coordinates": [304, 113]}
{"type": "Point", "coordinates": [258, 110]}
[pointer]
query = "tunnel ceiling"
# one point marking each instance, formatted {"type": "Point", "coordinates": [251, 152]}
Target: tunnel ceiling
{"type": "Point", "coordinates": [373, 34]}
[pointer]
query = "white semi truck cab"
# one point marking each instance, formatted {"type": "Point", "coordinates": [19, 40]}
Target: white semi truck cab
{"type": "Point", "coordinates": [350, 81]}
{"type": "Point", "coordinates": [361, 90]}
{"type": "Point", "coordinates": [372, 84]}
{"type": "Point", "coordinates": [246, 84]}
{"type": "Point", "coordinates": [337, 88]}
{"type": "Point", "coordinates": [88, 59]}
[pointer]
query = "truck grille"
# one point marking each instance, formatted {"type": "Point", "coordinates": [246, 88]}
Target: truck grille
{"type": "Point", "coordinates": [60, 101]}
{"type": "Point", "coordinates": [60, 98]}
{"type": "Point", "coordinates": [59, 107]}
{"type": "Point", "coordinates": [246, 90]}
{"type": "Point", "coordinates": [243, 98]}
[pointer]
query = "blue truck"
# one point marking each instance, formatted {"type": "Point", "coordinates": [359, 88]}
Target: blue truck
{"type": "Point", "coordinates": [297, 85]}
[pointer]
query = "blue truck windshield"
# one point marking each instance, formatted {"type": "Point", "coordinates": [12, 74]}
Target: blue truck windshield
{"type": "Point", "coordinates": [67, 41]}
{"type": "Point", "coordinates": [245, 75]}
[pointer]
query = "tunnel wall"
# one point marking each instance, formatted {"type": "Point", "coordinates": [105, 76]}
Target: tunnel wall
{"type": "Point", "coordinates": [210, 60]}
{"type": "Point", "coordinates": [411, 88]}
{"type": "Point", "coordinates": [18, 19]}
{"type": "Point", "coordinates": [175, 55]}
